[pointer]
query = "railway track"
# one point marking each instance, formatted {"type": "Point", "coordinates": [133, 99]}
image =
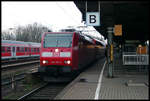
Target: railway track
{"type": "Point", "coordinates": [9, 80]}
{"type": "Point", "coordinates": [15, 65]}
{"type": "Point", "coordinates": [17, 71]}
{"type": "Point", "coordinates": [47, 91]}
{"type": "Point", "coordinates": [15, 78]}
{"type": "Point", "coordinates": [11, 61]}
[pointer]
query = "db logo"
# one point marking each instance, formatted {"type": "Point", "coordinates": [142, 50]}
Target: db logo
{"type": "Point", "coordinates": [56, 54]}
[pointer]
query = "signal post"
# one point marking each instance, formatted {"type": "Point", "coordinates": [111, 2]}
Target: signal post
{"type": "Point", "coordinates": [110, 51]}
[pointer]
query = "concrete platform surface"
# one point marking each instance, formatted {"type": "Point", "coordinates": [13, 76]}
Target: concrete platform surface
{"type": "Point", "coordinates": [85, 85]}
{"type": "Point", "coordinates": [118, 88]}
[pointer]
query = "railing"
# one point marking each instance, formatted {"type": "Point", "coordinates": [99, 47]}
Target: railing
{"type": "Point", "coordinates": [132, 58]}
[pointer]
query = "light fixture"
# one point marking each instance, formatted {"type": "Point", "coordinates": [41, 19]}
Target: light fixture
{"type": "Point", "coordinates": [56, 50]}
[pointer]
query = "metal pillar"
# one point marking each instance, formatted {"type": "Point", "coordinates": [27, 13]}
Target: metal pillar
{"type": "Point", "coordinates": [110, 51]}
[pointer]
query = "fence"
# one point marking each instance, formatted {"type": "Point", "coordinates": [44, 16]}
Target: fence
{"type": "Point", "coordinates": [132, 58]}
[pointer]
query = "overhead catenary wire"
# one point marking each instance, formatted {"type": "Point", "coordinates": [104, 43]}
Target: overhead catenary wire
{"type": "Point", "coordinates": [63, 9]}
{"type": "Point", "coordinates": [66, 13]}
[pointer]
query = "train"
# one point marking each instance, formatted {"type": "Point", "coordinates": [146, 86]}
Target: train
{"type": "Point", "coordinates": [66, 53]}
{"type": "Point", "coordinates": [18, 49]}
{"type": "Point", "coordinates": [100, 48]}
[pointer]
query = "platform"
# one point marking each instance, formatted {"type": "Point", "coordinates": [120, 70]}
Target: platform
{"type": "Point", "coordinates": [124, 85]}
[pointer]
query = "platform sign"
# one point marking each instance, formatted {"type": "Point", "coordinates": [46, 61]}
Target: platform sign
{"type": "Point", "coordinates": [118, 30]}
{"type": "Point", "coordinates": [93, 18]}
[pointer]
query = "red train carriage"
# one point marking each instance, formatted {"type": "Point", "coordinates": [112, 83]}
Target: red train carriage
{"type": "Point", "coordinates": [18, 49]}
{"type": "Point", "coordinates": [34, 49]}
{"type": "Point", "coordinates": [65, 52]}
{"type": "Point", "coordinates": [100, 48]}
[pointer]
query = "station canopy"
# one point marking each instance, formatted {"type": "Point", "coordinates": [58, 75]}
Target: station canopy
{"type": "Point", "coordinates": [132, 15]}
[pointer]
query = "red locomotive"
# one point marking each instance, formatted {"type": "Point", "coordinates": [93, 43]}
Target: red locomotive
{"type": "Point", "coordinates": [65, 52]}
{"type": "Point", "coordinates": [18, 49]}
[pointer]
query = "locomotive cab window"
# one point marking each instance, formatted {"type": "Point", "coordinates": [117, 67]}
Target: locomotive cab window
{"type": "Point", "coordinates": [58, 40]}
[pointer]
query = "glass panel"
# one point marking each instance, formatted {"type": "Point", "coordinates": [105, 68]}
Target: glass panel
{"type": "Point", "coordinates": [22, 49]}
{"type": "Point", "coordinates": [58, 40]}
{"type": "Point", "coordinates": [38, 50]}
{"type": "Point", "coordinates": [32, 49]}
{"type": "Point", "coordinates": [8, 49]}
{"type": "Point", "coordinates": [13, 49]}
{"type": "Point", "coordinates": [3, 49]}
{"type": "Point", "coordinates": [18, 49]}
{"type": "Point", "coordinates": [26, 49]}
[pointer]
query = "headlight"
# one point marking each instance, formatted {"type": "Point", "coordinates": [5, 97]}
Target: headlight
{"type": "Point", "coordinates": [67, 62]}
{"type": "Point", "coordinates": [45, 61]}
{"type": "Point", "coordinates": [56, 50]}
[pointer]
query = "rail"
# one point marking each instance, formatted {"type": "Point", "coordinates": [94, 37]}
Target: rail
{"type": "Point", "coordinates": [31, 92]}
{"type": "Point", "coordinates": [47, 91]}
{"type": "Point", "coordinates": [18, 64]}
{"type": "Point", "coordinates": [12, 79]}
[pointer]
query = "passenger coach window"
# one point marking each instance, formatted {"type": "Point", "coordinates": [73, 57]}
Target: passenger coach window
{"type": "Point", "coordinates": [26, 49]}
{"type": "Point", "coordinates": [3, 49]}
{"type": "Point", "coordinates": [22, 49]}
{"type": "Point", "coordinates": [38, 50]}
{"type": "Point", "coordinates": [18, 49]}
{"type": "Point", "coordinates": [8, 49]}
{"type": "Point", "coordinates": [34, 49]}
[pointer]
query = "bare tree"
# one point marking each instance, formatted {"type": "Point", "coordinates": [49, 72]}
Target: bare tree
{"type": "Point", "coordinates": [28, 33]}
{"type": "Point", "coordinates": [6, 35]}
{"type": "Point", "coordinates": [18, 33]}
{"type": "Point", "coordinates": [31, 32]}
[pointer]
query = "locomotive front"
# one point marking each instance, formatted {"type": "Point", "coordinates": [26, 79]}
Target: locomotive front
{"type": "Point", "coordinates": [56, 53]}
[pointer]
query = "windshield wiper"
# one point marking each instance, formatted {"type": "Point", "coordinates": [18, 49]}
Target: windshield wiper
{"type": "Point", "coordinates": [56, 43]}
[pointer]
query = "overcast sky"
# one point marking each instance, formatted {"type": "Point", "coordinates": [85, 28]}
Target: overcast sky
{"type": "Point", "coordinates": [51, 14]}
{"type": "Point", "coordinates": [54, 15]}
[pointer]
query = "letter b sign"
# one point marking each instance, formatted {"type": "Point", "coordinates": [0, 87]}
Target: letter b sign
{"type": "Point", "coordinates": [93, 18]}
